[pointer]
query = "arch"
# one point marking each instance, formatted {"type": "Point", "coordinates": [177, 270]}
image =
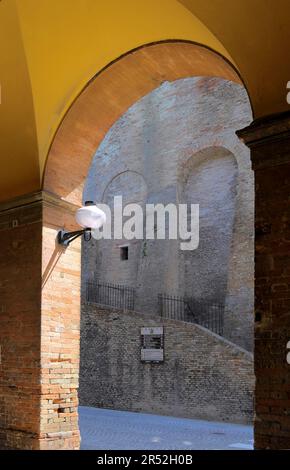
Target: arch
{"type": "Point", "coordinates": [210, 178]}
{"type": "Point", "coordinates": [220, 179]}
{"type": "Point", "coordinates": [109, 95]}
{"type": "Point", "coordinates": [211, 152]}
{"type": "Point", "coordinates": [143, 185]}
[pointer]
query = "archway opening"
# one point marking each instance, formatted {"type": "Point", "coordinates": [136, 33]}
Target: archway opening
{"type": "Point", "coordinates": [86, 129]}
{"type": "Point", "coordinates": [176, 145]}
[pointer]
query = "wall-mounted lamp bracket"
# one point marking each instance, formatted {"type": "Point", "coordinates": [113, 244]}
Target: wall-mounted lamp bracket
{"type": "Point", "coordinates": [65, 238]}
{"type": "Point", "coordinates": [90, 217]}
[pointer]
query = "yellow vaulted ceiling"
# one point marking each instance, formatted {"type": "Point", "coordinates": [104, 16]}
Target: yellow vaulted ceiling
{"type": "Point", "coordinates": [50, 49]}
{"type": "Point", "coordinates": [256, 33]}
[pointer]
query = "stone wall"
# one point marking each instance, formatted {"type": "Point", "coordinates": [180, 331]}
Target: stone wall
{"type": "Point", "coordinates": [178, 144]}
{"type": "Point", "coordinates": [203, 375]}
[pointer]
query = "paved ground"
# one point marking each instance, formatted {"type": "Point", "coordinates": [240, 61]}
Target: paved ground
{"type": "Point", "coordinates": [121, 430]}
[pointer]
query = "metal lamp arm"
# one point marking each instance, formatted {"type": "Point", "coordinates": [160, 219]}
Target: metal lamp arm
{"type": "Point", "coordinates": [65, 238]}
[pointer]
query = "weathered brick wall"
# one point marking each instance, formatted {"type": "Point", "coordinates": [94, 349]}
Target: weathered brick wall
{"type": "Point", "coordinates": [210, 177]}
{"type": "Point", "coordinates": [272, 284]}
{"type": "Point", "coordinates": [39, 325]}
{"type": "Point", "coordinates": [203, 375]}
{"type": "Point", "coordinates": [20, 303]}
{"type": "Point", "coordinates": [269, 141]}
{"type": "Point", "coordinates": [60, 330]}
{"type": "Point", "coordinates": [151, 154]}
{"type": "Point", "coordinates": [272, 308]}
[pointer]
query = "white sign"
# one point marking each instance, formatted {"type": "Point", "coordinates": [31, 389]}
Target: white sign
{"type": "Point", "coordinates": [152, 355]}
{"type": "Point", "coordinates": [155, 330]}
{"type": "Point", "coordinates": [152, 344]}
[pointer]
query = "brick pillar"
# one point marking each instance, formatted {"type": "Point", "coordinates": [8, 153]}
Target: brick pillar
{"type": "Point", "coordinates": [39, 325]}
{"type": "Point", "coordinates": [269, 141]}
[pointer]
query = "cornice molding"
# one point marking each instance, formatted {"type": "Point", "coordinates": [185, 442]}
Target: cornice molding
{"type": "Point", "coordinates": [38, 197]}
{"type": "Point", "coordinates": [269, 140]}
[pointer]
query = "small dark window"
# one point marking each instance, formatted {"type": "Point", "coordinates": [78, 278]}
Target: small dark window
{"type": "Point", "coordinates": [258, 317]}
{"type": "Point", "coordinates": [124, 253]}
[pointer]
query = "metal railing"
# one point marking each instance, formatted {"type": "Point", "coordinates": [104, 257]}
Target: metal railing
{"type": "Point", "coordinates": [209, 314]}
{"type": "Point", "coordinates": [110, 295]}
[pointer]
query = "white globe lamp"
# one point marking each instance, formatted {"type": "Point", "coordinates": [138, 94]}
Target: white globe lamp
{"type": "Point", "coordinates": [88, 217]}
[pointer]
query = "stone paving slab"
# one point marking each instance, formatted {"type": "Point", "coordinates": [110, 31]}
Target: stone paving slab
{"type": "Point", "coordinates": [121, 430]}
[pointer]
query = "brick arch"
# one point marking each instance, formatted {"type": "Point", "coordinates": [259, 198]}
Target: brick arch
{"type": "Point", "coordinates": [85, 125]}
{"type": "Point", "coordinates": [221, 180]}
{"type": "Point", "coordinates": [202, 155]}
{"type": "Point", "coordinates": [122, 174]}
{"type": "Point", "coordinates": [109, 95]}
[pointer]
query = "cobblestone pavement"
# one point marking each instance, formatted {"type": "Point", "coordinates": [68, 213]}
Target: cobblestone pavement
{"type": "Point", "coordinates": [122, 430]}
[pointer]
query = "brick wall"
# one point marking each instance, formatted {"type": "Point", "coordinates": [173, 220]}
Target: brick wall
{"type": "Point", "coordinates": [178, 144]}
{"type": "Point", "coordinates": [203, 376]}
{"type": "Point", "coordinates": [272, 286]}
{"type": "Point", "coordinates": [269, 141]}
{"type": "Point", "coordinates": [39, 326]}
{"type": "Point", "coordinates": [20, 303]}
{"type": "Point", "coordinates": [60, 331]}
